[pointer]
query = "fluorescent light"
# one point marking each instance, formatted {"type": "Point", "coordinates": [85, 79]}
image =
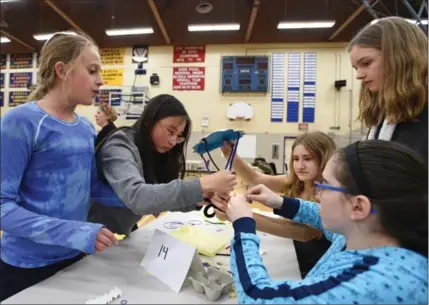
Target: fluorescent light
{"type": "Point", "coordinates": [305, 25]}
{"type": "Point", "coordinates": [133, 31]}
{"type": "Point", "coordinates": [4, 39]}
{"type": "Point", "coordinates": [48, 36]}
{"type": "Point", "coordinates": [413, 21]}
{"type": "Point", "coordinates": [213, 27]}
{"type": "Point", "coordinates": [8, 1]}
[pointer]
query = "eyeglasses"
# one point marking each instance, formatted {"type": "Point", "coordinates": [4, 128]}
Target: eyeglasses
{"type": "Point", "coordinates": [172, 137]}
{"type": "Point", "coordinates": [319, 187]}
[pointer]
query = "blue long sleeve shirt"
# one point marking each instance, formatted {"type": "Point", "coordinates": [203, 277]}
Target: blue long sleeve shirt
{"type": "Point", "coordinates": [389, 275]}
{"type": "Point", "coordinates": [45, 187]}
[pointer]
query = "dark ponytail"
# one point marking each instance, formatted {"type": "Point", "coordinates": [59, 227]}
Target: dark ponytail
{"type": "Point", "coordinates": [395, 179]}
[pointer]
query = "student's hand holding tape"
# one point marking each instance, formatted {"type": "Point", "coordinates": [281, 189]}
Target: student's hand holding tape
{"type": "Point", "coordinates": [219, 182]}
{"type": "Point", "coordinates": [105, 239]}
{"type": "Point", "coordinates": [264, 195]}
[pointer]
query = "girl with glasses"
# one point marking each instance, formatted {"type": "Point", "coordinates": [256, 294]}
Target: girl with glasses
{"type": "Point", "coordinates": [373, 207]}
{"type": "Point", "coordinates": [310, 153]}
{"type": "Point", "coordinates": [143, 166]}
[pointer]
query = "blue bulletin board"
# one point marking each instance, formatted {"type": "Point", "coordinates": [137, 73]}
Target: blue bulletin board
{"type": "Point", "coordinates": [20, 79]}
{"type": "Point", "coordinates": [18, 97]}
{"type": "Point", "coordinates": [21, 61]}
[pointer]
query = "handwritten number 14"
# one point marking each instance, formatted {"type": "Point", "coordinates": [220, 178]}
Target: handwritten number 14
{"type": "Point", "coordinates": [164, 250]}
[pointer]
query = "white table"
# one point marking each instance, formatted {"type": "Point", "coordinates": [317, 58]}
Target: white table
{"type": "Point", "coordinates": [120, 267]}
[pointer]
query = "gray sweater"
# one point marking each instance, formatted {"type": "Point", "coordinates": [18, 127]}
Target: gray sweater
{"type": "Point", "coordinates": [123, 169]}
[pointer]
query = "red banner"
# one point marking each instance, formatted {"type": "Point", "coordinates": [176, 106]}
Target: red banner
{"type": "Point", "coordinates": [189, 78]}
{"type": "Point", "coordinates": [187, 54]}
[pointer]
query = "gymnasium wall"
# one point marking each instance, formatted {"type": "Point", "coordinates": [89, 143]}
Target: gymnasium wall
{"type": "Point", "coordinates": [332, 108]}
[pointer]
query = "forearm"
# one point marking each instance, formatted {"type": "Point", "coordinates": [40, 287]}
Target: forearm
{"type": "Point", "coordinates": [145, 199]}
{"type": "Point", "coordinates": [245, 171]}
{"type": "Point", "coordinates": [285, 228]}
{"type": "Point", "coordinates": [48, 230]}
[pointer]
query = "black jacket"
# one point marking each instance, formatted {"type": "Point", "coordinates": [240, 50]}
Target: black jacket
{"type": "Point", "coordinates": [413, 134]}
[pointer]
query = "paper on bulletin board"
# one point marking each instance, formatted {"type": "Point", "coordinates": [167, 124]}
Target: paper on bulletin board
{"type": "Point", "coordinates": [113, 77]}
{"type": "Point", "coordinates": [20, 79]}
{"type": "Point", "coordinates": [18, 97]}
{"type": "Point", "coordinates": [112, 56]}
{"type": "Point", "coordinates": [247, 147]}
{"type": "Point", "coordinates": [21, 61]}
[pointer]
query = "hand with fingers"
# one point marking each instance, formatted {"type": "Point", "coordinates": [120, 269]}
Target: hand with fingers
{"type": "Point", "coordinates": [220, 201]}
{"type": "Point", "coordinates": [238, 207]}
{"type": "Point", "coordinates": [219, 182]}
{"type": "Point", "coordinates": [227, 148]}
{"type": "Point", "coordinates": [105, 239]}
{"type": "Point", "coordinates": [264, 195]}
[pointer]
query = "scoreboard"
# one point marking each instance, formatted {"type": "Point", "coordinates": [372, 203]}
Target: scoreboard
{"type": "Point", "coordinates": [244, 73]}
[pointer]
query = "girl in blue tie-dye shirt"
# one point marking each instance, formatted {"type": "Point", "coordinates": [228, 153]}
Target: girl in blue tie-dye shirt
{"type": "Point", "coordinates": [47, 153]}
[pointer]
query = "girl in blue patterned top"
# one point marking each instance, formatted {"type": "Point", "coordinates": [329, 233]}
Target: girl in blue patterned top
{"type": "Point", "coordinates": [374, 209]}
{"type": "Point", "coordinates": [47, 153]}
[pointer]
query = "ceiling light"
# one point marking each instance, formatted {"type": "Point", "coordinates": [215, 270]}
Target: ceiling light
{"type": "Point", "coordinates": [8, 1]}
{"type": "Point", "coordinates": [48, 36]}
{"type": "Point", "coordinates": [4, 39]}
{"type": "Point", "coordinates": [132, 31]}
{"type": "Point", "coordinates": [213, 27]}
{"type": "Point", "coordinates": [305, 25]}
{"type": "Point", "coordinates": [413, 21]}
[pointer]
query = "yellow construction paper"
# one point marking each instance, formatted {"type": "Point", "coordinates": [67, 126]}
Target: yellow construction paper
{"type": "Point", "coordinates": [119, 236]}
{"type": "Point", "coordinates": [207, 243]}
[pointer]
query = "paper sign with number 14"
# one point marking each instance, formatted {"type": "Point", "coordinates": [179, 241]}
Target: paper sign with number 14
{"type": "Point", "coordinates": [169, 259]}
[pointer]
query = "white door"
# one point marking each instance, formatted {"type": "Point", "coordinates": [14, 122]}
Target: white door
{"type": "Point", "coordinates": [287, 153]}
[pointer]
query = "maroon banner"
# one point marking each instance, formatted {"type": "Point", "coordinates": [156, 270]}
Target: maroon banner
{"type": "Point", "coordinates": [189, 78]}
{"type": "Point", "coordinates": [189, 54]}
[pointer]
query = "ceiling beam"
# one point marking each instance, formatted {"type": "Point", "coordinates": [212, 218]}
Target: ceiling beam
{"type": "Point", "coordinates": [64, 16]}
{"type": "Point", "coordinates": [253, 14]}
{"type": "Point", "coordinates": [11, 37]}
{"type": "Point", "coordinates": [159, 21]}
{"type": "Point", "coordinates": [349, 20]}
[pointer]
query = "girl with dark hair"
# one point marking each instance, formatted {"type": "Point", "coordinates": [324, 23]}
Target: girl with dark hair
{"type": "Point", "coordinates": [145, 165]}
{"type": "Point", "coordinates": [373, 207]}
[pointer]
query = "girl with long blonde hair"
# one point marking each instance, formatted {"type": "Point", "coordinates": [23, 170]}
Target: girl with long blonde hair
{"type": "Point", "coordinates": [390, 57]}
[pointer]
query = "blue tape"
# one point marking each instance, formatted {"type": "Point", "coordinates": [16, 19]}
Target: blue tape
{"type": "Point", "coordinates": [216, 139]}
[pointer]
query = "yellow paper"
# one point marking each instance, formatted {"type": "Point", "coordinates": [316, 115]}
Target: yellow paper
{"type": "Point", "coordinates": [119, 236]}
{"type": "Point", "coordinates": [207, 243]}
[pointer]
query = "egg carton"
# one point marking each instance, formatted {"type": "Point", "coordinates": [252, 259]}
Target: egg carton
{"type": "Point", "coordinates": [213, 282]}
